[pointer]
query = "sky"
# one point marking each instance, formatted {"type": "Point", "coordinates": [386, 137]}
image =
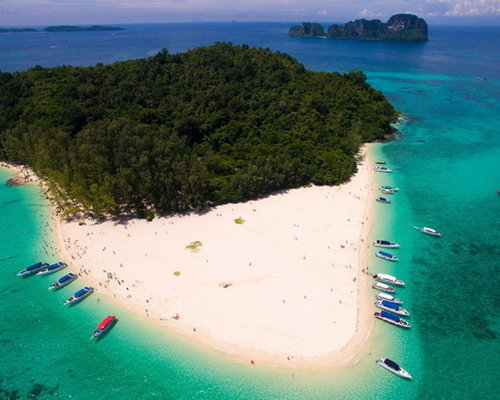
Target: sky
{"type": "Point", "coordinates": [56, 12]}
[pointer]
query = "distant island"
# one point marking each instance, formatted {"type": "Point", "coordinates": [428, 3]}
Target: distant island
{"type": "Point", "coordinates": [400, 27]}
{"type": "Point", "coordinates": [63, 28]}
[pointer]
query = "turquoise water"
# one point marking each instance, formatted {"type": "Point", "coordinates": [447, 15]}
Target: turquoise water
{"type": "Point", "coordinates": [446, 161]}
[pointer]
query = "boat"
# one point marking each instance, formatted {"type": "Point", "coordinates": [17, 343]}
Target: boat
{"type": "Point", "coordinates": [63, 281]}
{"type": "Point", "coordinates": [392, 319]}
{"type": "Point", "coordinates": [388, 297]}
{"type": "Point", "coordinates": [79, 295]}
{"type": "Point", "coordinates": [32, 269]}
{"type": "Point", "coordinates": [52, 268]}
{"type": "Point", "coordinates": [382, 200]}
{"type": "Point", "coordinates": [391, 280]}
{"type": "Point", "coordinates": [382, 169]}
{"type": "Point", "coordinates": [383, 287]}
{"type": "Point", "coordinates": [391, 307]}
{"type": "Point", "coordinates": [388, 189]}
{"type": "Point", "coordinates": [430, 231]}
{"type": "Point", "coordinates": [386, 256]}
{"type": "Point", "coordinates": [393, 367]}
{"type": "Point", "coordinates": [104, 326]}
{"type": "Point", "coordinates": [385, 243]}
{"type": "Point", "coordinates": [380, 162]}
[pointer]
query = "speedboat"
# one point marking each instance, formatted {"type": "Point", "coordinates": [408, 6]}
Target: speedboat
{"type": "Point", "coordinates": [63, 281]}
{"type": "Point", "coordinates": [32, 269]}
{"type": "Point", "coordinates": [379, 162]}
{"type": "Point", "coordinates": [52, 268]}
{"type": "Point", "coordinates": [392, 319]}
{"type": "Point", "coordinates": [382, 169]}
{"type": "Point", "coordinates": [388, 189]}
{"type": "Point", "coordinates": [385, 243]}
{"type": "Point", "coordinates": [79, 295]}
{"type": "Point", "coordinates": [391, 280]}
{"type": "Point", "coordinates": [386, 256]}
{"type": "Point", "coordinates": [383, 200]}
{"type": "Point", "coordinates": [104, 325]}
{"type": "Point", "coordinates": [393, 308]}
{"type": "Point", "coordinates": [388, 297]}
{"type": "Point", "coordinates": [430, 231]}
{"type": "Point", "coordinates": [393, 367]}
{"type": "Point", "coordinates": [383, 287]}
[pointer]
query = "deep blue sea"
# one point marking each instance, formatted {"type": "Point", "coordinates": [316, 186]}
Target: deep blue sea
{"type": "Point", "coordinates": [446, 160]}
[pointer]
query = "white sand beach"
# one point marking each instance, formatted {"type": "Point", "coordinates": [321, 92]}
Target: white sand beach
{"type": "Point", "coordinates": [288, 286]}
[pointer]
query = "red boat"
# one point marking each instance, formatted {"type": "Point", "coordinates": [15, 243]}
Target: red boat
{"type": "Point", "coordinates": [104, 325]}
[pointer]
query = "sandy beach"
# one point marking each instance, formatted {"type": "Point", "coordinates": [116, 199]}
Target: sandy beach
{"type": "Point", "coordinates": [277, 281]}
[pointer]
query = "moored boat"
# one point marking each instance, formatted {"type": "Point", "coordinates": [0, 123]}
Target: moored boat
{"type": "Point", "coordinates": [383, 169]}
{"type": "Point", "coordinates": [63, 281]}
{"type": "Point", "coordinates": [383, 287]}
{"type": "Point", "coordinates": [52, 268]}
{"type": "Point", "coordinates": [385, 243]}
{"type": "Point", "coordinates": [388, 297]}
{"type": "Point", "coordinates": [430, 231]}
{"type": "Point", "coordinates": [383, 200]}
{"type": "Point", "coordinates": [32, 269]}
{"type": "Point", "coordinates": [386, 256]}
{"type": "Point", "coordinates": [380, 162]}
{"type": "Point", "coordinates": [391, 307]}
{"type": "Point", "coordinates": [386, 278]}
{"type": "Point", "coordinates": [388, 189]}
{"type": "Point", "coordinates": [104, 326]}
{"type": "Point", "coordinates": [79, 295]}
{"type": "Point", "coordinates": [392, 319]}
{"type": "Point", "coordinates": [393, 367]}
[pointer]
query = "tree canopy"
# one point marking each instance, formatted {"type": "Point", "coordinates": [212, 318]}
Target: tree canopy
{"type": "Point", "coordinates": [180, 132]}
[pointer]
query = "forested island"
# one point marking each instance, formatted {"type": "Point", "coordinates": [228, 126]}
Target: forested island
{"type": "Point", "coordinates": [181, 132]}
{"type": "Point", "coordinates": [63, 28]}
{"type": "Point", "coordinates": [400, 27]}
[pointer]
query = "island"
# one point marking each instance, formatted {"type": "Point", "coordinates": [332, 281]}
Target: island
{"type": "Point", "coordinates": [63, 28]}
{"type": "Point", "coordinates": [225, 193]}
{"type": "Point", "coordinates": [400, 27]}
{"type": "Point", "coordinates": [183, 132]}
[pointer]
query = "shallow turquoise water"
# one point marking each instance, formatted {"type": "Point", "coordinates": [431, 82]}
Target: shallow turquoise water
{"type": "Point", "coordinates": [446, 161]}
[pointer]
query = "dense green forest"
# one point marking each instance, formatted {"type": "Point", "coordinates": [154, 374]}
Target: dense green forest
{"type": "Point", "coordinates": [181, 132]}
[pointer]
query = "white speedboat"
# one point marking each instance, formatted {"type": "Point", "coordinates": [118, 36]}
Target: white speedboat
{"type": "Point", "coordinates": [388, 189]}
{"type": "Point", "coordinates": [391, 307]}
{"type": "Point", "coordinates": [388, 297]}
{"type": "Point", "coordinates": [391, 280]}
{"type": "Point", "coordinates": [392, 319]}
{"type": "Point", "coordinates": [385, 243]}
{"type": "Point", "coordinates": [383, 287]}
{"type": "Point", "coordinates": [382, 169]}
{"type": "Point", "coordinates": [386, 256]}
{"type": "Point", "coordinates": [52, 268]}
{"type": "Point", "coordinates": [383, 200]}
{"type": "Point", "coordinates": [79, 295]}
{"type": "Point", "coordinates": [430, 231]}
{"type": "Point", "coordinates": [32, 269]}
{"type": "Point", "coordinates": [393, 367]}
{"type": "Point", "coordinates": [63, 281]}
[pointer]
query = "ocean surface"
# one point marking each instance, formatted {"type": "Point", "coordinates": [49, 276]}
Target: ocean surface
{"type": "Point", "coordinates": [446, 160]}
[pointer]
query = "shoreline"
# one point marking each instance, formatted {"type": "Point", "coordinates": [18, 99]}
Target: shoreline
{"type": "Point", "coordinates": [345, 352]}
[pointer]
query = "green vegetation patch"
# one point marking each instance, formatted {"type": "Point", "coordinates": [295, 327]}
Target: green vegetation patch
{"type": "Point", "coordinates": [239, 220]}
{"type": "Point", "coordinates": [194, 246]}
